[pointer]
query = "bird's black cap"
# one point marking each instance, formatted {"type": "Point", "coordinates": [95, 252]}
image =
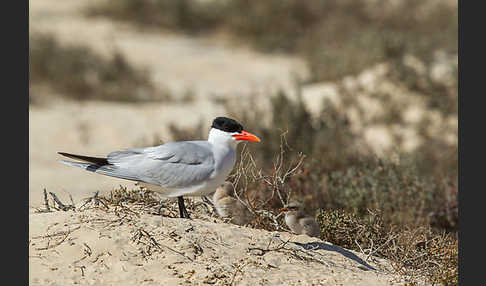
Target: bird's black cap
{"type": "Point", "coordinates": [227, 124]}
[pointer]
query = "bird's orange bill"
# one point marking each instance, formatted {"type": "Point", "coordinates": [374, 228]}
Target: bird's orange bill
{"type": "Point", "coordinates": [284, 209]}
{"type": "Point", "coordinates": [247, 136]}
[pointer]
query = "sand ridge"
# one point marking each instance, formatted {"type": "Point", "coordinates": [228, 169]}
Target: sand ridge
{"type": "Point", "coordinates": [96, 246]}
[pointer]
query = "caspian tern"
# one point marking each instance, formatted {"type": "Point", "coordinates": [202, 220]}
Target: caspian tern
{"type": "Point", "coordinates": [175, 169]}
{"type": "Point", "coordinates": [298, 221]}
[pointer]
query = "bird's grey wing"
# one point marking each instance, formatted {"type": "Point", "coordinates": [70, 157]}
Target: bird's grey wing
{"type": "Point", "coordinates": [172, 165]}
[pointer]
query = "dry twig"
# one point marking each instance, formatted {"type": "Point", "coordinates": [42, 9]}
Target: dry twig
{"type": "Point", "coordinates": [248, 173]}
{"type": "Point", "coordinates": [60, 204]}
{"type": "Point", "coordinates": [96, 200]}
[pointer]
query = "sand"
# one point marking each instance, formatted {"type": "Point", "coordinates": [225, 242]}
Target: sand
{"type": "Point", "coordinates": [95, 246]}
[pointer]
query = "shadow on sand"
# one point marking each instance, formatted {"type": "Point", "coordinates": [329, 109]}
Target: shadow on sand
{"type": "Point", "coordinates": [329, 247]}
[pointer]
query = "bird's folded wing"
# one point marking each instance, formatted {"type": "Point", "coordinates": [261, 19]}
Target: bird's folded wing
{"type": "Point", "coordinates": [310, 226]}
{"type": "Point", "coordinates": [172, 165]}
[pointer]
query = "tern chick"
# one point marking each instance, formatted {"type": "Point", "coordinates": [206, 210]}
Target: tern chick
{"type": "Point", "coordinates": [227, 206]}
{"type": "Point", "coordinates": [298, 221]}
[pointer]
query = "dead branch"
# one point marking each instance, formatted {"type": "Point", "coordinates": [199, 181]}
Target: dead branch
{"type": "Point", "coordinates": [268, 249]}
{"type": "Point", "coordinates": [60, 204]}
{"type": "Point", "coordinates": [46, 201]}
{"type": "Point", "coordinates": [96, 201]}
{"type": "Point", "coordinates": [141, 233]}
{"type": "Point", "coordinates": [65, 234]}
{"type": "Point", "coordinates": [247, 172]}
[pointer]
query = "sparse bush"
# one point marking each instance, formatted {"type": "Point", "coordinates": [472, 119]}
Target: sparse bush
{"type": "Point", "coordinates": [403, 195]}
{"type": "Point", "coordinates": [415, 252]}
{"type": "Point", "coordinates": [348, 230]}
{"type": "Point", "coordinates": [80, 73]}
{"type": "Point", "coordinates": [390, 187]}
{"type": "Point", "coordinates": [122, 195]}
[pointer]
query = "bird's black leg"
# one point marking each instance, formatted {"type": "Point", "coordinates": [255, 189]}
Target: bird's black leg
{"type": "Point", "coordinates": [182, 208]}
{"type": "Point", "coordinates": [180, 201]}
{"type": "Point", "coordinates": [160, 207]}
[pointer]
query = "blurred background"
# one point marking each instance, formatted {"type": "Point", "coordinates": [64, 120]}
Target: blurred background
{"type": "Point", "coordinates": [367, 90]}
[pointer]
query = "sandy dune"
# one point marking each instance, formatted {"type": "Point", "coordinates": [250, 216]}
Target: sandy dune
{"type": "Point", "coordinates": [98, 247]}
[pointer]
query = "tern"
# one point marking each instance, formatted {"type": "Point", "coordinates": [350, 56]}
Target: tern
{"type": "Point", "coordinates": [227, 206]}
{"type": "Point", "coordinates": [298, 221]}
{"type": "Point", "coordinates": [175, 169]}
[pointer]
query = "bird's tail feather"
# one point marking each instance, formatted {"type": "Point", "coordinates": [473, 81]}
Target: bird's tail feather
{"type": "Point", "coordinates": [107, 170]}
{"type": "Point", "coordinates": [86, 166]}
{"type": "Point", "coordinates": [95, 160]}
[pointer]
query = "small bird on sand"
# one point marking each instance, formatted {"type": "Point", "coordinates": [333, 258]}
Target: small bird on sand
{"type": "Point", "coordinates": [227, 206]}
{"type": "Point", "coordinates": [175, 169]}
{"type": "Point", "coordinates": [298, 221]}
